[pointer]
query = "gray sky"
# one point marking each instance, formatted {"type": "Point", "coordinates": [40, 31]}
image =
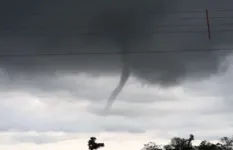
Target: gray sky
{"type": "Point", "coordinates": [50, 100]}
{"type": "Point", "coordinates": [47, 117]}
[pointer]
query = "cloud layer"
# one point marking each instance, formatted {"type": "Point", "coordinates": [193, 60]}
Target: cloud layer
{"type": "Point", "coordinates": [120, 26]}
{"type": "Point", "coordinates": [202, 108]}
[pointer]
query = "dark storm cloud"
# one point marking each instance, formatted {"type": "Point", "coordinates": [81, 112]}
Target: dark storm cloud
{"type": "Point", "coordinates": [112, 26]}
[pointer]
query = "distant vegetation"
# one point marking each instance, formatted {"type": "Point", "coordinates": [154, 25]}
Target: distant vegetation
{"type": "Point", "coordinates": [177, 143]}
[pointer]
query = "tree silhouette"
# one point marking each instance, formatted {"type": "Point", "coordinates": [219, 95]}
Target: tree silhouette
{"type": "Point", "coordinates": [168, 147]}
{"type": "Point", "coordinates": [180, 143]}
{"type": "Point", "coordinates": [191, 138]}
{"type": "Point", "coordinates": [204, 145]}
{"type": "Point", "coordinates": [151, 146]}
{"type": "Point", "coordinates": [227, 143]}
{"type": "Point", "coordinates": [177, 143]}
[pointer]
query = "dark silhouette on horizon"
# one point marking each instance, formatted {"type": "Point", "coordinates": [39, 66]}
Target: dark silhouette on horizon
{"type": "Point", "coordinates": [92, 145]}
{"type": "Point", "coordinates": [177, 143]}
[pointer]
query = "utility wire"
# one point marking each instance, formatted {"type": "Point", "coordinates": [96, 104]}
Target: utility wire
{"type": "Point", "coordinates": [161, 12]}
{"type": "Point", "coordinates": [144, 52]}
{"type": "Point", "coordinates": [195, 18]}
{"type": "Point", "coordinates": [153, 32]}
{"type": "Point", "coordinates": [114, 53]}
{"type": "Point", "coordinates": [199, 18]}
{"type": "Point", "coordinates": [192, 25]}
{"type": "Point", "coordinates": [165, 25]}
{"type": "Point", "coordinates": [159, 25]}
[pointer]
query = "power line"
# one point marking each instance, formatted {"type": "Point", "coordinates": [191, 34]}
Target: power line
{"type": "Point", "coordinates": [224, 10]}
{"type": "Point", "coordinates": [199, 18]}
{"type": "Point", "coordinates": [153, 32]}
{"type": "Point", "coordinates": [218, 17]}
{"type": "Point", "coordinates": [159, 25]}
{"type": "Point", "coordinates": [193, 11]}
{"type": "Point", "coordinates": [192, 25]}
{"type": "Point", "coordinates": [168, 25]}
{"type": "Point", "coordinates": [159, 12]}
{"type": "Point", "coordinates": [200, 10]}
{"type": "Point", "coordinates": [113, 53]}
{"type": "Point", "coordinates": [193, 31]}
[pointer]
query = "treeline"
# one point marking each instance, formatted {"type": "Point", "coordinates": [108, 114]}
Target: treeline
{"type": "Point", "coordinates": [177, 143]}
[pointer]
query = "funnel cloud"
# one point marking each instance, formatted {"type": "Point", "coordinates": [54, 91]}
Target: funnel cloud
{"type": "Point", "coordinates": [125, 74]}
{"type": "Point", "coordinates": [77, 26]}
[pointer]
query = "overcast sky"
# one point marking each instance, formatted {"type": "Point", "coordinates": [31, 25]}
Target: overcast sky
{"type": "Point", "coordinates": [57, 102]}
